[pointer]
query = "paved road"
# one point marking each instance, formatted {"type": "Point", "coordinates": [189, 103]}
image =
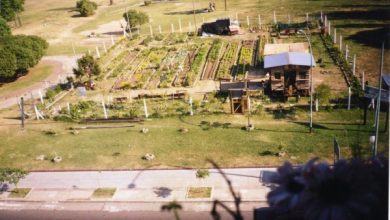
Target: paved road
{"type": "Point", "coordinates": [100, 215]}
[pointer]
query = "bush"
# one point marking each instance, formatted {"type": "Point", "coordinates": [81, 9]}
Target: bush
{"type": "Point", "coordinates": [86, 7]}
{"type": "Point", "coordinates": [323, 93]}
{"type": "Point", "coordinates": [202, 173]}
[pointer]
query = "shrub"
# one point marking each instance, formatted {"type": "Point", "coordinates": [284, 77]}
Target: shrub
{"type": "Point", "coordinates": [147, 3]}
{"type": "Point", "coordinates": [323, 93]}
{"type": "Point", "coordinates": [202, 173]}
{"type": "Point", "coordinates": [86, 7]}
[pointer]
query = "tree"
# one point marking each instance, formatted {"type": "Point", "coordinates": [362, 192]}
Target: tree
{"type": "Point", "coordinates": [12, 175]}
{"type": "Point", "coordinates": [10, 8]}
{"type": "Point", "coordinates": [87, 66]}
{"type": "Point", "coordinates": [4, 29]}
{"type": "Point", "coordinates": [135, 18]}
{"type": "Point", "coordinates": [7, 64]}
{"type": "Point", "coordinates": [86, 7]}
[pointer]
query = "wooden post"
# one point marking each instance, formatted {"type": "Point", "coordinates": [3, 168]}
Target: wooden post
{"type": "Point", "coordinates": [172, 28]}
{"type": "Point", "coordinates": [40, 96]}
{"type": "Point", "coordinates": [97, 52]}
{"type": "Point", "coordinates": [349, 98]}
{"type": "Point", "coordinates": [363, 82]}
{"type": "Point", "coordinates": [68, 107]}
{"type": "Point", "coordinates": [151, 30]}
{"type": "Point", "coordinates": [354, 65]}
{"type": "Point", "coordinates": [191, 110]}
{"type": "Point", "coordinates": [104, 46]}
{"type": "Point", "coordinates": [316, 103]}
{"type": "Point", "coordinates": [247, 21]}
{"type": "Point", "coordinates": [341, 43]}
{"type": "Point", "coordinates": [329, 28]}
{"type": "Point", "coordinates": [159, 29]}
{"type": "Point", "coordinates": [104, 110]}
{"type": "Point", "coordinates": [275, 21]}
{"type": "Point", "coordinates": [307, 17]}
{"type": "Point", "coordinates": [145, 109]}
{"type": "Point", "coordinates": [346, 52]}
{"type": "Point", "coordinates": [180, 26]}
{"type": "Point", "coordinates": [326, 21]}
{"type": "Point", "coordinates": [259, 21]}
{"type": "Point", "coordinates": [322, 19]}
{"type": "Point", "coordinates": [22, 111]}
{"type": "Point", "coordinates": [334, 36]}
{"type": "Point", "coordinates": [74, 50]}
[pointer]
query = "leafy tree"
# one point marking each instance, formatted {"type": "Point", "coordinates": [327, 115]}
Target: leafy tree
{"type": "Point", "coordinates": [27, 50]}
{"type": "Point", "coordinates": [7, 64]}
{"type": "Point", "coordinates": [87, 66]}
{"type": "Point", "coordinates": [135, 18]}
{"type": "Point", "coordinates": [9, 8]}
{"type": "Point", "coordinates": [4, 29]}
{"type": "Point", "coordinates": [323, 93]}
{"type": "Point", "coordinates": [12, 175]}
{"type": "Point", "coordinates": [86, 7]}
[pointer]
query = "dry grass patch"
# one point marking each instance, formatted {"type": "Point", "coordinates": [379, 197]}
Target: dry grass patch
{"type": "Point", "coordinates": [101, 193]}
{"type": "Point", "coordinates": [199, 192]}
{"type": "Point", "coordinates": [19, 193]}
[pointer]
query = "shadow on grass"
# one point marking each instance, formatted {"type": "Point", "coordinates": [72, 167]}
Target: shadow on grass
{"type": "Point", "coordinates": [373, 37]}
{"type": "Point", "coordinates": [374, 14]}
{"type": "Point", "coordinates": [189, 12]}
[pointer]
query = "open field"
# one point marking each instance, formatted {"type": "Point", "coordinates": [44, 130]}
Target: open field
{"type": "Point", "coordinates": [37, 74]}
{"type": "Point", "coordinates": [228, 145]}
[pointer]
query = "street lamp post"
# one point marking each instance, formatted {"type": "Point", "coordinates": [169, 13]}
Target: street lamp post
{"type": "Point", "coordinates": [310, 80]}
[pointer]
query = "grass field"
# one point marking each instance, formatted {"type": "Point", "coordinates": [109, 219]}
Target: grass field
{"type": "Point", "coordinates": [35, 75]}
{"type": "Point", "coordinates": [123, 148]}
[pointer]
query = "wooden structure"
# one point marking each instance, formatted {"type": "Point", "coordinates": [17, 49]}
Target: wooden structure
{"type": "Point", "coordinates": [289, 73]}
{"type": "Point", "coordinates": [239, 94]}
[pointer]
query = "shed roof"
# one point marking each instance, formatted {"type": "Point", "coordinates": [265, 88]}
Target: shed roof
{"type": "Point", "coordinates": [286, 47]}
{"type": "Point", "coordinates": [290, 58]}
{"type": "Point", "coordinates": [386, 79]}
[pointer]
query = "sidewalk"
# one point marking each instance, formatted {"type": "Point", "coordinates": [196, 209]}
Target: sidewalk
{"type": "Point", "coordinates": [143, 189]}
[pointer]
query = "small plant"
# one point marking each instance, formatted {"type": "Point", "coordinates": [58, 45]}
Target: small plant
{"type": "Point", "coordinates": [50, 132]}
{"type": "Point", "coordinates": [202, 173]}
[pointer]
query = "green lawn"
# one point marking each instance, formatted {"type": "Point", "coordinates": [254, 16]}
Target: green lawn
{"type": "Point", "coordinates": [37, 74]}
{"type": "Point", "coordinates": [123, 148]}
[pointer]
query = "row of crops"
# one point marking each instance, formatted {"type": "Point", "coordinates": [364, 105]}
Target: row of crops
{"type": "Point", "coordinates": [150, 67]}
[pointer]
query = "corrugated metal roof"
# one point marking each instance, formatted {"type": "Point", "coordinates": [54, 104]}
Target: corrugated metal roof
{"type": "Point", "coordinates": [291, 58]}
{"type": "Point", "coordinates": [270, 49]}
{"type": "Point", "coordinates": [386, 79]}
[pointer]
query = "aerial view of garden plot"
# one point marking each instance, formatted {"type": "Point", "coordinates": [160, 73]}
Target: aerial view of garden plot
{"type": "Point", "coordinates": [252, 84]}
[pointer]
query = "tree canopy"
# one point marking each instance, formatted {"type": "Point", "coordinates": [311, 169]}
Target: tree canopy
{"type": "Point", "coordinates": [11, 175]}
{"type": "Point", "coordinates": [26, 51]}
{"type": "Point", "coordinates": [135, 18]}
{"type": "Point", "coordinates": [4, 28]}
{"type": "Point", "coordinates": [86, 7]}
{"type": "Point", "coordinates": [87, 66]}
{"type": "Point", "coordinates": [9, 8]}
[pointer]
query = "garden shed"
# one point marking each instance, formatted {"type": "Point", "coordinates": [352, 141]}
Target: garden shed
{"type": "Point", "coordinates": [289, 73]}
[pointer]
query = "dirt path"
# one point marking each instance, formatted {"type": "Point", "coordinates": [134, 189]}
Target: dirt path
{"type": "Point", "coordinates": [62, 67]}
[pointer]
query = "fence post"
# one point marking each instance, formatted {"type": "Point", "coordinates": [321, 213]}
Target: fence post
{"type": "Point", "coordinates": [247, 21]}
{"type": "Point", "coordinates": [97, 52]}
{"type": "Point", "coordinates": [180, 26]}
{"type": "Point", "coordinates": [151, 30]}
{"type": "Point", "coordinates": [172, 28]}
{"type": "Point", "coordinates": [349, 98]}
{"type": "Point", "coordinates": [275, 21]}
{"type": "Point", "coordinates": [341, 43]}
